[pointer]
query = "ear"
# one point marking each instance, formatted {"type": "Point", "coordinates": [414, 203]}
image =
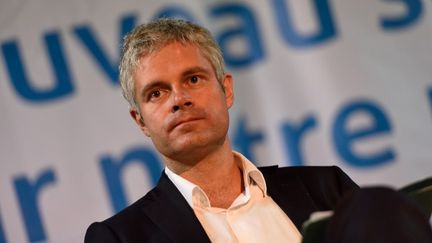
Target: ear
{"type": "Point", "coordinates": [228, 89]}
{"type": "Point", "coordinates": [136, 116]}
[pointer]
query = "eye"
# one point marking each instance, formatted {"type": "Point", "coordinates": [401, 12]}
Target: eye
{"type": "Point", "coordinates": [154, 94]}
{"type": "Point", "coordinates": [194, 79]}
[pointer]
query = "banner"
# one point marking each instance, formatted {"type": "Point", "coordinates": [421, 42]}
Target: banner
{"type": "Point", "coordinates": [319, 82]}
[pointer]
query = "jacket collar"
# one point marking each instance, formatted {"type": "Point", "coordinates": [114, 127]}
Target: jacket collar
{"type": "Point", "coordinates": [170, 211]}
{"type": "Point", "coordinates": [289, 192]}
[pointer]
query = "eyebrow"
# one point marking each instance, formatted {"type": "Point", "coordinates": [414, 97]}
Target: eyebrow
{"type": "Point", "coordinates": [196, 69]}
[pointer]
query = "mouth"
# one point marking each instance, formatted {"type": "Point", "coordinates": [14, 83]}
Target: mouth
{"type": "Point", "coordinates": [177, 123]}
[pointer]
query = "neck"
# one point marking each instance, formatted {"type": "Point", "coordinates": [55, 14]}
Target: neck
{"type": "Point", "coordinates": [217, 173]}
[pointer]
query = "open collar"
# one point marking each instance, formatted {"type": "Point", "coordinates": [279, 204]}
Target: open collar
{"type": "Point", "coordinates": [250, 173]}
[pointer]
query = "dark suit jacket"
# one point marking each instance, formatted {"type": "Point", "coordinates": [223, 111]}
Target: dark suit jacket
{"type": "Point", "coordinates": [163, 215]}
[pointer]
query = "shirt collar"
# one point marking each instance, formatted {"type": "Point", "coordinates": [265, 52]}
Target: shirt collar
{"type": "Point", "coordinates": [250, 175]}
{"type": "Point", "coordinates": [184, 186]}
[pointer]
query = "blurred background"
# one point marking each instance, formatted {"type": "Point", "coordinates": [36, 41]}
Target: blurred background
{"type": "Point", "coordinates": [318, 82]}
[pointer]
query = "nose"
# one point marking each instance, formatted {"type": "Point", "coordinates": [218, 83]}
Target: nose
{"type": "Point", "coordinates": [181, 100]}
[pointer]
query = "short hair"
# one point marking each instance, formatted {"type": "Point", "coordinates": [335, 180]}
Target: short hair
{"type": "Point", "coordinates": [153, 36]}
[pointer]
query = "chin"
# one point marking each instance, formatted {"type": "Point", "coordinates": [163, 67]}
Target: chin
{"type": "Point", "coordinates": [195, 147]}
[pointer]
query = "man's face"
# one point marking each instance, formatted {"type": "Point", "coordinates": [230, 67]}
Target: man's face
{"type": "Point", "coordinates": [184, 108]}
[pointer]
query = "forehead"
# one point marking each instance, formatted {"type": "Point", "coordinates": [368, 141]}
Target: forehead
{"type": "Point", "coordinates": [169, 63]}
{"type": "Point", "coordinates": [170, 58]}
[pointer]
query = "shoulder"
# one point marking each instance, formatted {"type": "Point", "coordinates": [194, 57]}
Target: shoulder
{"type": "Point", "coordinates": [135, 210]}
{"type": "Point", "coordinates": [299, 170]}
{"type": "Point", "coordinates": [324, 184]}
{"type": "Point", "coordinates": [307, 174]}
{"type": "Point", "coordinates": [129, 225]}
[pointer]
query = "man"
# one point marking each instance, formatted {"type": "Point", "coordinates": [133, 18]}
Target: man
{"type": "Point", "coordinates": [172, 74]}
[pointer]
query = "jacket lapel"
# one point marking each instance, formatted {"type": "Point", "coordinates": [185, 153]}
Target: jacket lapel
{"type": "Point", "coordinates": [290, 194]}
{"type": "Point", "coordinates": [171, 212]}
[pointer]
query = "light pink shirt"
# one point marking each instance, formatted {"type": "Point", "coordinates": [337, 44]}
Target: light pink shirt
{"type": "Point", "coordinates": [252, 217]}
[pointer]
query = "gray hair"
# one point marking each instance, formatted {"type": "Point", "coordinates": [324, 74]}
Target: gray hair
{"type": "Point", "coordinates": [149, 38]}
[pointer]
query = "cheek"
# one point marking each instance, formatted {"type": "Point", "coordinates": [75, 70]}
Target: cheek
{"type": "Point", "coordinates": [218, 110]}
{"type": "Point", "coordinates": [157, 123]}
{"type": "Point", "coordinates": [152, 122]}
{"type": "Point", "coordinates": [152, 114]}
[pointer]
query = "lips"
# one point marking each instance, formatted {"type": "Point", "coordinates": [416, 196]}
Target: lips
{"type": "Point", "coordinates": [181, 120]}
